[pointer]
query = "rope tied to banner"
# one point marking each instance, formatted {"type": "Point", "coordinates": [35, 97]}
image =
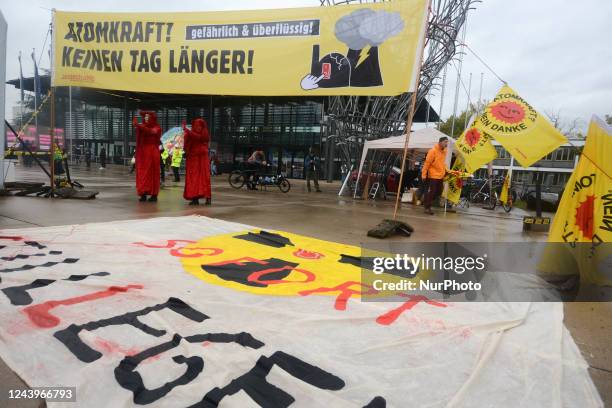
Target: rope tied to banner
{"type": "Point", "coordinates": [484, 63]}
{"type": "Point", "coordinates": [29, 121]}
{"type": "Point", "coordinates": [504, 82]}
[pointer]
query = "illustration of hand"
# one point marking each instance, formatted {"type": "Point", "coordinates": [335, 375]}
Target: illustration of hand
{"type": "Point", "coordinates": [310, 82]}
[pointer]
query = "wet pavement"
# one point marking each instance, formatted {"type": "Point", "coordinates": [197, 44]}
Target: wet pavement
{"type": "Point", "coordinates": [321, 215]}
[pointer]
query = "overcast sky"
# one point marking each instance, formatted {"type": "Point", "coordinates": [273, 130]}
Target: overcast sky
{"type": "Point", "coordinates": [556, 53]}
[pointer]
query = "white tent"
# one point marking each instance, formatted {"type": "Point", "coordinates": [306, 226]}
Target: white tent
{"type": "Point", "coordinates": [420, 140]}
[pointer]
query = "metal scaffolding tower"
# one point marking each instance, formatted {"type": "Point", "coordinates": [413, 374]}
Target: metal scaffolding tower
{"type": "Point", "coordinates": [355, 119]}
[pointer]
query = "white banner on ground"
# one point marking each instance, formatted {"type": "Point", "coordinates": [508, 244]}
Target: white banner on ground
{"type": "Point", "coordinates": [198, 312]}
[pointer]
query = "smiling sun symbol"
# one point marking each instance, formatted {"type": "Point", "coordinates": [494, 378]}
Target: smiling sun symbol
{"type": "Point", "coordinates": [508, 112]}
{"type": "Point", "coordinates": [585, 217]}
{"type": "Point", "coordinates": [472, 137]}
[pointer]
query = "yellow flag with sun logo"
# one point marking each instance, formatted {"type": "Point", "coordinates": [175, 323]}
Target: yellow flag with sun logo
{"type": "Point", "coordinates": [583, 222]}
{"type": "Point", "coordinates": [517, 126]}
{"type": "Point", "coordinates": [503, 196]}
{"type": "Point", "coordinates": [475, 147]}
{"type": "Point", "coordinates": [454, 178]}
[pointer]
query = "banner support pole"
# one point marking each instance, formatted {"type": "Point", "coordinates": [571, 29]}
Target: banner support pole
{"type": "Point", "coordinates": [52, 118]}
{"type": "Point", "coordinates": [52, 134]}
{"type": "Point", "coordinates": [410, 114]}
{"type": "Point", "coordinates": [3, 31]}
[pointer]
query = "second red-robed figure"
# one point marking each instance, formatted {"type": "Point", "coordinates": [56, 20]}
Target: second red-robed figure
{"type": "Point", "coordinates": [197, 166]}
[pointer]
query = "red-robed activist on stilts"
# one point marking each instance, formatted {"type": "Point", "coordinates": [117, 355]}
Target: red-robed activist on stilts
{"type": "Point", "coordinates": [148, 138]}
{"type": "Point", "coordinates": [197, 166]}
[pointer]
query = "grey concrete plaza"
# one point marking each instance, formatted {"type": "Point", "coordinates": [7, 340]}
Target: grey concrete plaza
{"type": "Point", "coordinates": [321, 215]}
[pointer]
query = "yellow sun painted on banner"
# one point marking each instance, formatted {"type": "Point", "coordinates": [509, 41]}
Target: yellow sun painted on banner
{"type": "Point", "coordinates": [508, 113]}
{"type": "Point", "coordinates": [277, 263]}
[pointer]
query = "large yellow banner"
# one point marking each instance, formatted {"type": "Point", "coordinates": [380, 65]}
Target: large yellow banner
{"type": "Point", "coordinates": [584, 218]}
{"type": "Point", "coordinates": [366, 49]}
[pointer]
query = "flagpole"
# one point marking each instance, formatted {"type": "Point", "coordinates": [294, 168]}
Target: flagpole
{"type": "Point", "coordinates": [428, 109]}
{"type": "Point", "coordinates": [490, 173]}
{"type": "Point", "coordinates": [510, 170]}
{"type": "Point", "coordinates": [52, 132]}
{"type": "Point", "coordinates": [70, 152]}
{"type": "Point", "coordinates": [467, 109]}
{"type": "Point", "coordinates": [36, 90]}
{"type": "Point", "coordinates": [20, 93]}
{"type": "Point", "coordinates": [480, 91]}
{"type": "Point", "coordinates": [458, 84]}
{"type": "Point", "coordinates": [3, 32]}
{"type": "Point", "coordinates": [410, 113]}
{"type": "Point", "coordinates": [442, 96]}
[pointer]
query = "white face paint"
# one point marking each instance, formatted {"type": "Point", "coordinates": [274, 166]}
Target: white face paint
{"type": "Point", "coordinates": [146, 118]}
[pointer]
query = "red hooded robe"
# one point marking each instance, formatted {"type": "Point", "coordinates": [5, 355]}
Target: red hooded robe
{"type": "Point", "coordinates": [148, 138]}
{"type": "Point", "coordinates": [197, 166]}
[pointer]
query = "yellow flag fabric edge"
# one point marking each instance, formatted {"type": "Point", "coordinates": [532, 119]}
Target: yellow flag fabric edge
{"type": "Point", "coordinates": [480, 152]}
{"type": "Point", "coordinates": [581, 225]}
{"type": "Point", "coordinates": [503, 196]}
{"type": "Point", "coordinates": [520, 128]}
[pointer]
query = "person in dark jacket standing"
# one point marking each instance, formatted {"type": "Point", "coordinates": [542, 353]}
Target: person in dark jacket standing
{"type": "Point", "coordinates": [102, 158]}
{"type": "Point", "coordinates": [88, 158]}
{"type": "Point", "coordinates": [312, 163]}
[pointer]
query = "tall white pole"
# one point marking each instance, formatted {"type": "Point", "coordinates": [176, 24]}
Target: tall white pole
{"type": "Point", "coordinates": [480, 91]}
{"type": "Point", "coordinates": [442, 96]}
{"type": "Point", "coordinates": [70, 134]}
{"type": "Point", "coordinates": [21, 91]}
{"type": "Point", "coordinates": [467, 109]}
{"type": "Point", "coordinates": [35, 105]}
{"type": "Point", "coordinates": [428, 108]}
{"type": "Point", "coordinates": [3, 28]}
{"type": "Point", "coordinates": [461, 54]}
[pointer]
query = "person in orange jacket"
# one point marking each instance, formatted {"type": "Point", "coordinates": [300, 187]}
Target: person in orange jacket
{"type": "Point", "coordinates": [434, 171]}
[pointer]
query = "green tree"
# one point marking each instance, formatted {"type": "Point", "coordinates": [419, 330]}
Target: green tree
{"type": "Point", "coordinates": [460, 124]}
{"type": "Point", "coordinates": [461, 120]}
{"type": "Point", "coordinates": [609, 119]}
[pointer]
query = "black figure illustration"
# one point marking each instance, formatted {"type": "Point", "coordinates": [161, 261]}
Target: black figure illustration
{"type": "Point", "coordinates": [363, 31]}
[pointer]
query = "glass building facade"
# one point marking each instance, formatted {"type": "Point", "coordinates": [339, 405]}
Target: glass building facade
{"type": "Point", "coordinates": [285, 128]}
{"type": "Point", "coordinates": [552, 171]}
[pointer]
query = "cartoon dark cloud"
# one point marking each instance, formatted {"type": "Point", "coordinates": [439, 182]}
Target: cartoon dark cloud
{"type": "Point", "coordinates": [365, 27]}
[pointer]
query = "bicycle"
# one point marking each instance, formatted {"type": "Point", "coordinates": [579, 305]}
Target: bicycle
{"type": "Point", "coordinates": [528, 194]}
{"type": "Point", "coordinates": [466, 191]}
{"type": "Point", "coordinates": [484, 195]}
{"type": "Point", "coordinates": [238, 178]}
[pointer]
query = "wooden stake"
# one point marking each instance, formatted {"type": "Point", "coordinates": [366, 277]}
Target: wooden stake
{"type": "Point", "coordinates": [52, 134]}
{"type": "Point", "coordinates": [52, 95]}
{"type": "Point", "coordinates": [411, 115]}
{"type": "Point", "coordinates": [365, 194]}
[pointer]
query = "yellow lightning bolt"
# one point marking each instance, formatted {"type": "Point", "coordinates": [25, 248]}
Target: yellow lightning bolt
{"type": "Point", "coordinates": [363, 55]}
